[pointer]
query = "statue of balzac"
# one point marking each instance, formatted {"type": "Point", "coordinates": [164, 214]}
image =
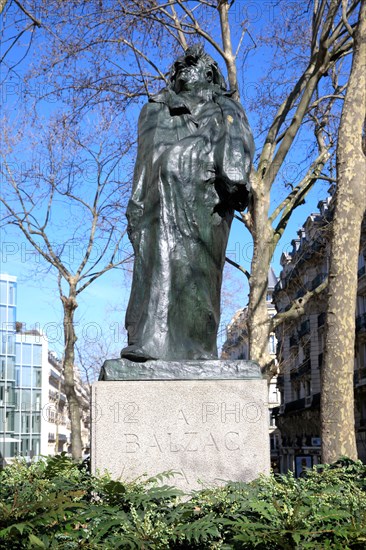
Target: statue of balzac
{"type": "Point", "coordinates": [195, 149]}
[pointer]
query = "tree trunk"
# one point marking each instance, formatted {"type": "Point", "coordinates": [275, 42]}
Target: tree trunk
{"type": "Point", "coordinates": [337, 403]}
{"type": "Point", "coordinates": [258, 320]}
{"type": "Point", "coordinates": [70, 305]}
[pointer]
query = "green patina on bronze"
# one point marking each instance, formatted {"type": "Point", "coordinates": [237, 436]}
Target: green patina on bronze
{"type": "Point", "coordinates": [195, 150]}
{"type": "Point", "coordinates": [123, 369]}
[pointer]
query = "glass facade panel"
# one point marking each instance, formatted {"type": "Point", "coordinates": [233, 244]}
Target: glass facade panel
{"type": "Point", "coordinates": [10, 421]}
{"type": "Point", "coordinates": [11, 315]}
{"type": "Point", "coordinates": [36, 423]}
{"type": "Point", "coordinates": [37, 378]}
{"type": "Point", "coordinates": [17, 422]}
{"type": "Point", "coordinates": [36, 445]}
{"type": "Point", "coordinates": [27, 354]}
{"type": "Point", "coordinates": [26, 380]}
{"type": "Point", "coordinates": [3, 292]}
{"type": "Point", "coordinates": [25, 399]}
{"type": "Point", "coordinates": [3, 316]}
{"type": "Point", "coordinates": [4, 339]}
{"type": "Point", "coordinates": [26, 423]}
{"type": "Point", "coordinates": [11, 344]}
{"type": "Point", "coordinates": [17, 352]}
{"type": "Point", "coordinates": [10, 395]}
{"type": "Point", "coordinates": [37, 354]}
{"type": "Point", "coordinates": [10, 368]}
{"type": "Point", "coordinates": [36, 400]}
{"type": "Point", "coordinates": [25, 446]}
{"type": "Point", "coordinates": [2, 367]}
{"type": "Point", "coordinates": [12, 293]}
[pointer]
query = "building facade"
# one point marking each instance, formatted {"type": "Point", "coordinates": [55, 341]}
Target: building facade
{"type": "Point", "coordinates": [34, 417]}
{"type": "Point", "coordinates": [8, 441]}
{"type": "Point", "coordinates": [300, 344]}
{"type": "Point", "coordinates": [56, 411]}
{"type": "Point", "coordinates": [236, 347]}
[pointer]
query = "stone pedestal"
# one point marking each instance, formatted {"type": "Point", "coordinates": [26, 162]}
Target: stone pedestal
{"type": "Point", "coordinates": [209, 423]}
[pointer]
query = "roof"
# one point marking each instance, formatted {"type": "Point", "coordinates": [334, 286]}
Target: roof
{"type": "Point", "coordinates": [272, 279]}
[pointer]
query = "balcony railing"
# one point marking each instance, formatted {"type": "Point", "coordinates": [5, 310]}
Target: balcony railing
{"type": "Point", "coordinates": [303, 369]}
{"type": "Point", "coordinates": [300, 404]}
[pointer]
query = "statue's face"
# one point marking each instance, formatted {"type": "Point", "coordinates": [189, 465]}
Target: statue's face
{"type": "Point", "coordinates": [190, 73]}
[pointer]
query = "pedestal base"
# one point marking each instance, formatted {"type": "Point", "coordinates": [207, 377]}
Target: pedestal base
{"type": "Point", "coordinates": [209, 430]}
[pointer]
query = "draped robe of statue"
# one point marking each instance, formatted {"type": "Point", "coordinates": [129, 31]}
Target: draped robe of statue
{"type": "Point", "coordinates": [192, 171]}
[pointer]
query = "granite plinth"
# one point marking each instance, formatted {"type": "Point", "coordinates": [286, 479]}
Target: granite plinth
{"type": "Point", "coordinates": [123, 369]}
{"type": "Point", "coordinates": [207, 430]}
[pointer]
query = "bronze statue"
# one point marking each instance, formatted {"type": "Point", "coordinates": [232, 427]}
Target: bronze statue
{"type": "Point", "coordinates": [195, 150]}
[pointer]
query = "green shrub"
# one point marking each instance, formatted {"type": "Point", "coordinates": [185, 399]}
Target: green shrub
{"type": "Point", "coordinates": [55, 503]}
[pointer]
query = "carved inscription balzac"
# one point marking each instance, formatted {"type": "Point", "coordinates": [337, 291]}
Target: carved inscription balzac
{"type": "Point", "coordinates": [183, 440]}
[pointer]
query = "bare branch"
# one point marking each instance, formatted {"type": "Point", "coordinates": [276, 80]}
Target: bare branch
{"type": "Point", "coordinates": [241, 268]}
{"type": "Point", "coordinates": [298, 306]}
{"type": "Point", "coordinates": [344, 17]}
{"type": "Point", "coordinates": [27, 13]}
{"type": "Point", "coordinates": [181, 35]}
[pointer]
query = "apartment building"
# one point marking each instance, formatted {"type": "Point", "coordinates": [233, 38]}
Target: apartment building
{"type": "Point", "coordinates": [236, 346]}
{"type": "Point", "coordinates": [300, 344]}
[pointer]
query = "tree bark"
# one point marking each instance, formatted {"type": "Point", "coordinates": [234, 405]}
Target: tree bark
{"type": "Point", "coordinates": [337, 402]}
{"type": "Point", "coordinates": [262, 233]}
{"type": "Point", "coordinates": [70, 305]}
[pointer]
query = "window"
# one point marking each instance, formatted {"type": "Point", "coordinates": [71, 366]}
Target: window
{"type": "Point", "coordinates": [9, 426]}
{"type": "Point", "coordinates": [37, 354]}
{"type": "Point", "coordinates": [272, 344]}
{"type": "Point", "coordinates": [37, 401]}
{"type": "Point", "coordinates": [27, 354]}
{"type": "Point", "coordinates": [36, 423]}
{"type": "Point", "coordinates": [17, 375]}
{"type": "Point", "coordinates": [26, 372]}
{"type": "Point", "coordinates": [26, 423]}
{"type": "Point", "coordinates": [25, 446]}
{"type": "Point", "coordinates": [272, 420]}
{"type": "Point", "coordinates": [25, 399]}
{"type": "Point", "coordinates": [3, 292]}
{"type": "Point", "coordinates": [10, 368]}
{"type": "Point", "coordinates": [7, 316]}
{"type": "Point", "coordinates": [18, 352]}
{"type": "Point", "coordinates": [37, 378]}
{"type": "Point", "coordinates": [12, 293]}
{"type": "Point", "coordinates": [3, 317]}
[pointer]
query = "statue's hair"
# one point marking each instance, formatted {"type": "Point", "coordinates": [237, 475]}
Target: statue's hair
{"type": "Point", "coordinates": [197, 53]}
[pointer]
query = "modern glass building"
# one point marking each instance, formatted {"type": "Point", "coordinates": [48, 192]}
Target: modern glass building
{"type": "Point", "coordinates": [30, 381]}
{"type": "Point", "coordinates": [8, 438]}
{"type": "Point", "coordinates": [22, 381]}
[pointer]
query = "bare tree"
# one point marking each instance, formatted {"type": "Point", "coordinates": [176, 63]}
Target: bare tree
{"type": "Point", "coordinates": [12, 32]}
{"type": "Point", "coordinates": [337, 401]}
{"type": "Point", "coordinates": [67, 198]}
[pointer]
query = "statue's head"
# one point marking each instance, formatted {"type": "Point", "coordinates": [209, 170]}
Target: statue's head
{"type": "Point", "coordinates": [195, 68]}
